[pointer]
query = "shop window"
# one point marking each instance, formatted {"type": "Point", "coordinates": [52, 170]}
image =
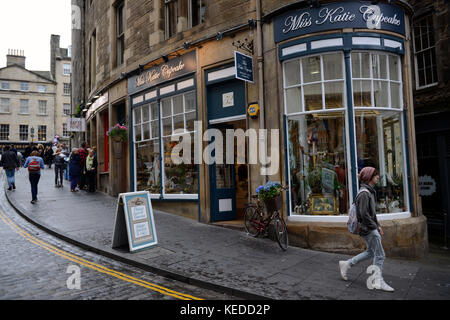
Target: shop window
{"type": "Point", "coordinates": [425, 52]}
{"type": "Point", "coordinates": [376, 80]}
{"type": "Point", "coordinates": [177, 112]}
{"type": "Point", "coordinates": [379, 138]}
{"type": "Point", "coordinates": [315, 101]}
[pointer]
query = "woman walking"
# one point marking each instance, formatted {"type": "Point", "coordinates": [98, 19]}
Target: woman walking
{"type": "Point", "coordinates": [34, 163]}
{"type": "Point", "coordinates": [370, 229]}
{"type": "Point", "coordinates": [48, 156]}
{"type": "Point", "coordinates": [10, 163]}
{"type": "Point", "coordinates": [60, 165]}
{"type": "Point", "coordinates": [91, 170]}
{"type": "Point", "coordinates": [74, 169]}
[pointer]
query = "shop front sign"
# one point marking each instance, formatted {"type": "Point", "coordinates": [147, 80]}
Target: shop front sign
{"type": "Point", "coordinates": [76, 125]}
{"type": "Point", "coordinates": [97, 104]}
{"type": "Point", "coordinates": [173, 69]}
{"type": "Point", "coordinates": [361, 15]}
{"type": "Point", "coordinates": [244, 67]}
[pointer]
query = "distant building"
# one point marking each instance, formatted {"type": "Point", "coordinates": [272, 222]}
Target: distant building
{"type": "Point", "coordinates": [60, 65]}
{"type": "Point", "coordinates": [27, 103]}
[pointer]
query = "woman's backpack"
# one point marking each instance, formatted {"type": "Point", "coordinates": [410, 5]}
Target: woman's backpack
{"type": "Point", "coordinates": [352, 224]}
{"type": "Point", "coordinates": [34, 165]}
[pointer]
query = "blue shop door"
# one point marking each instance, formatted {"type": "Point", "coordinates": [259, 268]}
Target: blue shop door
{"type": "Point", "coordinates": [224, 100]}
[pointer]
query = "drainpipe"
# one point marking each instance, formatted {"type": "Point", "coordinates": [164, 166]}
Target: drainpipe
{"type": "Point", "coordinates": [260, 59]}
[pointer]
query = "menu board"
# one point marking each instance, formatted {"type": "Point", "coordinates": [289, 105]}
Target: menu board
{"type": "Point", "coordinates": [134, 222]}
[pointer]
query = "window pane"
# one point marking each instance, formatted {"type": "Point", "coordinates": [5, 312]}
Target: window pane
{"type": "Point", "coordinates": [137, 115]}
{"type": "Point", "coordinates": [145, 114]}
{"type": "Point", "coordinates": [380, 146]}
{"type": "Point", "coordinates": [190, 101]}
{"type": "Point", "coordinates": [361, 93]}
{"type": "Point", "coordinates": [313, 97]}
{"type": "Point", "coordinates": [360, 65]}
{"type": "Point", "coordinates": [332, 65]}
{"type": "Point", "coordinates": [395, 95]}
{"type": "Point", "coordinates": [379, 66]}
{"type": "Point", "coordinates": [294, 100]}
{"type": "Point", "coordinates": [317, 164]}
{"type": "Point", "coordinates": [190, 119]}
{"type": "Point", "coordinates": [380, 94]}
{"type": "Point", "coordinates": [154, 111]}
{"type": "Point", "coordinates": [178, 105]}
{"type": "Point", "coordinates": [334, 95]}
{"type": "Point", "coordinates": [137, 133]}
{"type": "Point", "coordinates": [178, 122]}
{"type": "Point", "coordinates": [393, 68]}
{"type": "Point", "coordinates": [155, 129]}
{"type": "Point", "coordinates": [311, 69]}
{"type": "Point", "coordinates": [181, 178]}
{"type": "Point", "coordinates": [146, 131]}
{"type": "Point", "coordinates": [148, 167]}
{"type": "Point", "coordinates": [292, 72]}
{"type": "Point", "coordinates": [167, 126]}
{"type": "Point", "coordinates": [166, 107]}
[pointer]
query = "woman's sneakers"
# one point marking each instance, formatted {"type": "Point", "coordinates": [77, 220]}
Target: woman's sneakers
{"type": "Point", "coordinates": [344, 266]}
{"type": "Point", "coordinates": [385, 287]}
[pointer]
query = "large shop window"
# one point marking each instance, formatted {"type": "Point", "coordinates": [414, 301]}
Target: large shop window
{"type": "Point", "coordinates": [177, 114]}
{"type": "Point", "coordinates": [317, 128]}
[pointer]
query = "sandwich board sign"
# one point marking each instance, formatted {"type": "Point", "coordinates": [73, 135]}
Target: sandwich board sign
{"type": "Point", "coordinates": [134, 224]}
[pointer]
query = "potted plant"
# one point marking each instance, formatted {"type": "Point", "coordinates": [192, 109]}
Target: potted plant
{"type": "Point", "coordinates": [270, 193]}
{"type": "Point", "coordinates": [315, 180]}
{"type": "Point", "coordinates": [118, 133]}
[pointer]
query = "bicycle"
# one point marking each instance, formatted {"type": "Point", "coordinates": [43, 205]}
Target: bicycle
{"type": "Point", "coordinates": [255, 223]}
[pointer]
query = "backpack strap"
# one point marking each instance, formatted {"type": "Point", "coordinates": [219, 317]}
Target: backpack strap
{"type": "Point", "coordinates": [361, 191]}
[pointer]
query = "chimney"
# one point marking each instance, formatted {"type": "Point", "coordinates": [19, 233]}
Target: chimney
{"type": "Point", "coordinates": [15, 57]}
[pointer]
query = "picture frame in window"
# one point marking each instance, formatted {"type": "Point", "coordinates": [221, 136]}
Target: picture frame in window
{"type": "Point", "coordinates": [323, 205]}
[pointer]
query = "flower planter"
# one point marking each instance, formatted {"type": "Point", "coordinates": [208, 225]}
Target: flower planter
{"type": "Point", "coordinates": [274, 204]}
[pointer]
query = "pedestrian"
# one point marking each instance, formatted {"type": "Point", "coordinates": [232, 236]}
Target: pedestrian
{"type": "Point", "coordinates": [91, 170]}
{"type": "Point", "coordinates": [41, 150]}
{"type": "Point", "coordinates": [27, 151]}
{"type": "Point", "coordinates": [83, 154]}
{"type": "Point", "coordinates": [48, 156]}
{"type": "Point", "coordinates": [34, 163]}
{"type": "Point", "coordinates": [60, 165]}
{"type": "Point", "coordinates": [10, 163]}
{"type": "Point", "coordinates": [370, 229]}
{"type": "Point", "coordinates": [74, 169]}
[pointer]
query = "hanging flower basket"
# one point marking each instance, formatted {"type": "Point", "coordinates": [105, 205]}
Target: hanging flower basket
{"type": "Point", "coordinates": [118, 133]}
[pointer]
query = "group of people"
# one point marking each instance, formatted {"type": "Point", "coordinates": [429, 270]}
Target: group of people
{"type": "Point", "coordinates": [82, 166]}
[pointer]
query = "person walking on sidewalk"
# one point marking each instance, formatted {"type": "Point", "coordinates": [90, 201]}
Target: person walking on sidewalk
{"type": "Point", "coordinates": [91, 170]}
{"type": "Point", "coordinates": [74, 169]}
{"type": "Point", "coordinates": [370, 229]}
{"type": "Point", "coordinates": [10, 162]}
{"type": "Point", "coordinates": [60, 165]}
{"type": "Point", "coordinates": [34, 163]}
{"type": "Point", "coordinates": [48, 156]}
{"type": "Point", "coordinates": [83, 153]}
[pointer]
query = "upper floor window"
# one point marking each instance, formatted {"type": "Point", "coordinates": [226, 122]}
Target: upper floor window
{"type": "Point", "coordinates": [5, 85]}
{"type": "Point", "coordinates": [66, 89]}
{"type": "Point", "coordinates": [120, 33]}
{"type": "Point", "coordinates": [42, 107]}
{"type": "Point", "coordinates": [197, 12]}
{"type": "Point", "coordinates": [24, 106]}
{"type": "Point", "coordinates": [65, 132]}
{"type": "Point", "coordinates": [66, 109]}
{"type": "Point", "coordinates": [66, 69]}
{"type": "Point", "coordinates": [42, 89]}
{"type": "Point", "coordinates": [24, 86]}
{"type": "Point", "coordinates": [181, 15]}
{"type": "Point", "coordinates": [92, 60]}
{"type": "Point", "coordinates": [5, 104]}
{"type": "Point", "coordinates": [425, 52]}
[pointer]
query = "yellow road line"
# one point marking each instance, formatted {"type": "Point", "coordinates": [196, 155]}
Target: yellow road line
{"type": "Point", "coordinates": [92, 265]}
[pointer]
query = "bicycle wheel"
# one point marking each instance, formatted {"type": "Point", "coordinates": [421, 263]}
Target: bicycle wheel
{"type": "Point", "coordinates": [252, 221]}
{"type": "Point", "coordinates": [281, 233]}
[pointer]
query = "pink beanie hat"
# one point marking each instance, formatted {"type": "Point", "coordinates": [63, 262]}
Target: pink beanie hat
{"type": "Point", "coordinates": [366, 174]}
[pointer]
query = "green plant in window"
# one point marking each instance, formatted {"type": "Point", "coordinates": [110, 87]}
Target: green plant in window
{"type": "Point", "coordinates": [315, 179]}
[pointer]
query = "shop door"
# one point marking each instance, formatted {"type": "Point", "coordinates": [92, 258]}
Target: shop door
{"type": "Point", "coordinates": [225, 101]}
{"type": "Point", "coordinates": [223, 186]}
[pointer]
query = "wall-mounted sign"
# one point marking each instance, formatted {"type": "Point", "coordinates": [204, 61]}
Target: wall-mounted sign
{"type": "Point", "coordinates": [134, 224]}
{"type": "Point", "coordinates": [361, 15]}
{"type": "Point", "coordinates": [244, 66]}
{"type": "Point", "coordinates": [76, 124]}
{"type": "Point", "coordinates": [427, 186]}
{"type": "Point", "coordinates": [173, 69]}
{"type": "Point", "coordinates": [228, 99]}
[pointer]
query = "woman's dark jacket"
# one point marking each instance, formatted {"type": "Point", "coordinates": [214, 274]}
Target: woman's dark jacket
{"type": "Point", "coordinates": [10, 160]}
{"type": "Point", "coordinates": [74, 165]}
{"type": "Point", "coordinates": [365, 210]}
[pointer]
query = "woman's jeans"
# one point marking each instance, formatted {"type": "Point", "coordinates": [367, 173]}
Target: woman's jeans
{"type": "Point", "coordinates": [34, 180]}
{"type": "Point", "coordinates": [10, 177]}
{"type": "Point", "coordinates": [374, 250]}
{"type": "Point", "coordinates": [59, 171]}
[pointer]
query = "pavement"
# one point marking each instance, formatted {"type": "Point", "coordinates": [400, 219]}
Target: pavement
{"type": "Point", "coordinates": [223, 259]}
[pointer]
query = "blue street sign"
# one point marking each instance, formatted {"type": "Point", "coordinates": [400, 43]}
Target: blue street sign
{"type": "Point", "coordinates": [244, 67]}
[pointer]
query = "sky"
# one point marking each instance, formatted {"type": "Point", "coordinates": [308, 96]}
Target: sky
{"type": "Point", "coordinates": [28, 24]}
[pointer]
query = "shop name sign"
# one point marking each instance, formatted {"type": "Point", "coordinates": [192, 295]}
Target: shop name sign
{"type": "Point", "coordinates": [76, 125]}
{"type": "Point", "coordinates": [168, 71]}
{"type": "Point", "coordinates": [361, 15]}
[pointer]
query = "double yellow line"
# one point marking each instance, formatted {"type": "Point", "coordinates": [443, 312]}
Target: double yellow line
{"type": "Point", "coordinates": [91, 265]}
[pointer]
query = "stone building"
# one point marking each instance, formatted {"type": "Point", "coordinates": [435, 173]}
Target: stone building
{"type": "Point", "coordinates": [331, 80]}
{"type": "Point", "coordinates": [60, 66]}
{"type": "Point", "coordinates": [27, 103]}
{"type": "Point", "coordinates": [431, 84]}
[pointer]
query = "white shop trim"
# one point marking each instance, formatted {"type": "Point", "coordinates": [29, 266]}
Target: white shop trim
{"type": "Point", "coordinates": [366, 41]}
{"type": "Point", "coordinates": [344, 218]}
{"type": "Point", "coordinates": [336, 42]}
{"type": "Point", "coordinates": [294, 49]}
{"type": "Point", "coordinates": [220, 74]}
{"type": "Point", "coordinates": [228, 119]}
